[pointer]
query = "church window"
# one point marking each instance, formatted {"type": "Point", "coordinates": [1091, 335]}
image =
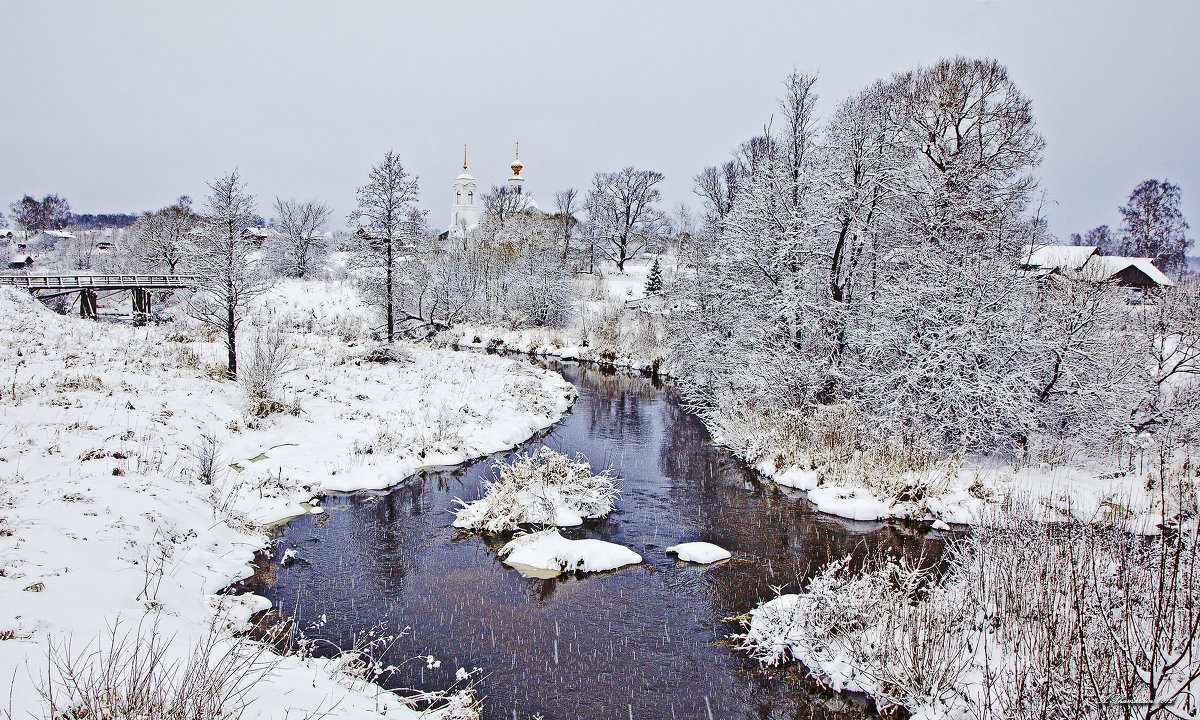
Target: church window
{"type": "Point", "coordinates": [459, 200]}
{"type": "Point", "coordinates": [470, 197]}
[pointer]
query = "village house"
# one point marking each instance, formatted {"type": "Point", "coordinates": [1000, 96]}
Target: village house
{"type": "Point", "coordinates": [1128, 272]}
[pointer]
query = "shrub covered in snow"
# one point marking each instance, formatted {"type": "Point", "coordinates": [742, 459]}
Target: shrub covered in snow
{"type": "Point", "coordinates": [543, 488]}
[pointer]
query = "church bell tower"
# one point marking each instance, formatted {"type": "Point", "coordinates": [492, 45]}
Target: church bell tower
{"type": "Point", "coordinates": [464, 211]}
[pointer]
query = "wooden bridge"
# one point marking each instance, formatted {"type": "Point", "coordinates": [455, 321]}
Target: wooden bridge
{"type": "Point", "coordinates": [45, 287]}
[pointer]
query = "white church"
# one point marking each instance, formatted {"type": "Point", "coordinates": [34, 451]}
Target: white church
{"type": "Point", "coordinates": [464, 210]}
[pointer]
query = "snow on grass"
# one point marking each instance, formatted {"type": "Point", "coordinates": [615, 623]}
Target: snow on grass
{"type": "Point", "coordinates": [543, 488]}
{"type": "Point", "coordinates": [134, 482]}
{"type": "Point", "coordinates": [548, 550]}
{"type": "Point", "coordinates": [700, 552]}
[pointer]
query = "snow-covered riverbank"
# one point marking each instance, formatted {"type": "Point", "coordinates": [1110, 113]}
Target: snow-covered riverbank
{"type": "Point", "coordinates": [104, 516]}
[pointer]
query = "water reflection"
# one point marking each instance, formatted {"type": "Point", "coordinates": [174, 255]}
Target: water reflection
{"type": "Point", "coordinates": [647, 640]}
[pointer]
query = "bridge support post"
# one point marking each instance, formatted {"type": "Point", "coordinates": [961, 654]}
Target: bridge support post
{"type": "Point", "coordinates": [87, 303]}
{"type": "Point", "coordinates": [141, 301]}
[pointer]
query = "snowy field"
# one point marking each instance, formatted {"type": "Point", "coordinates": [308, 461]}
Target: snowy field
{"type": "Point", "coordinates": [108, 518]}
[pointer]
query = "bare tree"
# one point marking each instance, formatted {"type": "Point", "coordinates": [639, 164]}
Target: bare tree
{"type": "Point", "coordinates": [622, 213]}
{"type": "Point", "coordinates": [717, 187]}
{"type": "Point", "coordinates": [223, 259]}
{"type": "Point", "coordinates": [50, 213]}
{"type": "Point", "coordinates": [565, 206]}
{"type": "Point", "coordinates": [159, 239]}
{"type": "Point", "coordinates": [502, 203]}
{"type": "Point", "coordinates": [1154, 226]}
{"type": "Point", "coordinates": [383, 219]}
{"type": "Point", "coordinates": [301, 238]}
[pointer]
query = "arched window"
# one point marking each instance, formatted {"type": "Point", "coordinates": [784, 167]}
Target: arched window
{"type": "Point", "coordinates": [470, 197]}
{"type": "Point", "coordinates": [457, 219]}
{"type": "Point", "coordinates": [459, 197]}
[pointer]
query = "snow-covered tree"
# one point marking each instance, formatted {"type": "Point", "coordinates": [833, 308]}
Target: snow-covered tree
{"type": "Point", "coordinates": [385, 230]}
{"type": "Point", "coordinates": [502, 203]}
{"type": "Point", "coordinates": [50, 213]}
{"type": "Point", "coordinates": [158, 240]}
{"type": "Point", "coordinates": [300, 243]}
{"type": "Point", "coordinates": [566, 205]}
{"type": "Point", "coordinates": [654, 281]}
{"type": "Point", "coordinates": [225, 261]}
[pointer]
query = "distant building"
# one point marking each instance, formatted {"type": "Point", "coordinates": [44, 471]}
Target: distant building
{"type": "Point", "coordinates": [20, 262]}
{"type": "Point", "coordinates": [1084, 259]}
{"type": "Point", "coordinates": [464, 207]}
{"type": "Point", "coordinates": [257, 235]}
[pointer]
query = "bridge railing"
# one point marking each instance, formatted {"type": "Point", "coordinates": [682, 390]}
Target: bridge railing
{"type": "Point", "coordinates": [99, 282]}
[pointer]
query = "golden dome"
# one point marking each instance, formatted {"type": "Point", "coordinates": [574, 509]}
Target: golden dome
{"type": "Point", "coordinates": [516, 164]}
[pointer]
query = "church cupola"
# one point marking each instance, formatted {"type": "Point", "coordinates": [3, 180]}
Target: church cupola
{"type": "Point", "coordinates": [516, 182]}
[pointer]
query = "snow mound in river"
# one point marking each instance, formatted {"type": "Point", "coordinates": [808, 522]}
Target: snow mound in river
{"type": "Point", "coordinates": [548, 550]}
{"type": "Point", "coordinates": [700, 552]}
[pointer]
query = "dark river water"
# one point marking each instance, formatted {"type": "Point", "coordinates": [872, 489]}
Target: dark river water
{"type": "Point", "coordinates": [644, 641]}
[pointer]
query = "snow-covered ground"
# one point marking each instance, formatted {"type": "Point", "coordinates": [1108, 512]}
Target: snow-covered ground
{"type": "Point", "coordinates": [105, 518]}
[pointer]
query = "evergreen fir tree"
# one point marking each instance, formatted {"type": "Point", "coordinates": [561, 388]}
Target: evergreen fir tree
{"type": "Point", "coordinates": [654, 282]}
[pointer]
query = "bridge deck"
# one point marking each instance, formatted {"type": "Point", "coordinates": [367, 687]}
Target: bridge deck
{"type": "Point", "coordinates": [100, 282]}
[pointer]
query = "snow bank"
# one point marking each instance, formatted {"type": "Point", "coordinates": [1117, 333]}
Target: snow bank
{"type": "Point", "coordinates": [543, 488]}
{"type": "Point", "coordinates": [700, 552]}
{"type": "Point", "coordinates": [548, 550]}
{"type": "Point", "coordinates": [103, 513]}
{"type": "Point", "coordinates": [962, 492]}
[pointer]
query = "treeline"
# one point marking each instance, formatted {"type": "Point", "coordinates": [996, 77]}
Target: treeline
{"type": "Point", "coordinates": [103, 220]}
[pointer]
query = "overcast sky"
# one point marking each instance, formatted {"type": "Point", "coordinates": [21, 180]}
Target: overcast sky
{"type": "Point", "coordinates": [123, 106]}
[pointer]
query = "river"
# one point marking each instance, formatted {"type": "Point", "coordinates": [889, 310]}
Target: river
{"type": "Point", "coordinates": [646, 641]}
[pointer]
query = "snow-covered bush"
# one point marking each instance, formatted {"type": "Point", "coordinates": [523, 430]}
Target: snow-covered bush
{"type": "Point", "coordinates": [266, 360]}
{"type": "Point", "coordinates": [543, 488]}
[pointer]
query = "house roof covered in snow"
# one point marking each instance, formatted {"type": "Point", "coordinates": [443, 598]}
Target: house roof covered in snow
{"type": "Point", "coordinates": [1110, 267]}
{"type": "Point", "coordinates": [1056, 257]}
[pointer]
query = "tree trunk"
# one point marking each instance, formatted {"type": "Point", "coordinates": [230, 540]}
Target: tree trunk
{"type": "Point", "coordinates": [390, 316]}
{"type": "Point", "coordinates": [231, 343]}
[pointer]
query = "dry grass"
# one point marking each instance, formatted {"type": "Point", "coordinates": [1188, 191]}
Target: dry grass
{"type": "Point", "coordinates": [134, 673]}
